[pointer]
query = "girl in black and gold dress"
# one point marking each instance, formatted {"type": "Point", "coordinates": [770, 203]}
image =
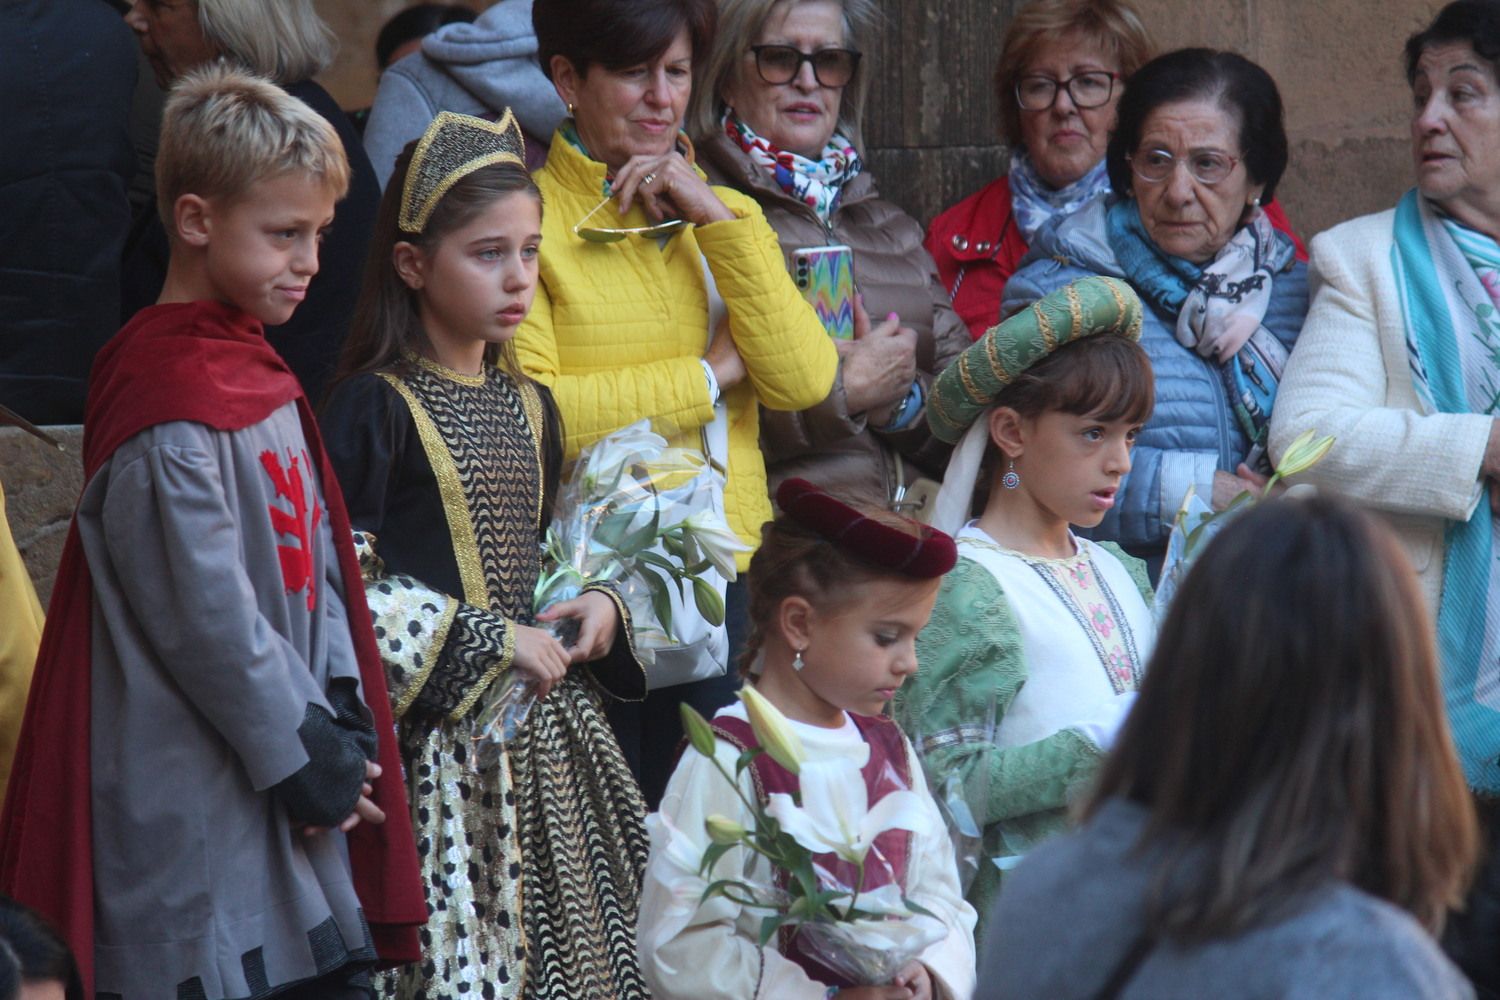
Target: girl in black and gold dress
{"type": "Point", "coordinates": [449, 459]}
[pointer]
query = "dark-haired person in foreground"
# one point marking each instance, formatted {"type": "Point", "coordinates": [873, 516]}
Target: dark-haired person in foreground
{"type": "Point", "coordinates": [692, 326]}
{"type": "Point", "coordinates": [44, 967]}
{"type": "Point", "coordinates": [1283, 815]}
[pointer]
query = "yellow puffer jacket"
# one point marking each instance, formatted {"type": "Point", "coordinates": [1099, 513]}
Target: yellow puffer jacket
{"type": "Point", "coordinates": [618, 329]}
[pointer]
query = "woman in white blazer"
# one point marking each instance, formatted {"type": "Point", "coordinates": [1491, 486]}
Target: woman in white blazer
{"type": "Point", "coordinates": [1399, 359]}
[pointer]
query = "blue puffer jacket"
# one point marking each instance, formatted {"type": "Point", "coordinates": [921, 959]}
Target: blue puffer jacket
{"type": "Point", "coordinates": [1193, 431]}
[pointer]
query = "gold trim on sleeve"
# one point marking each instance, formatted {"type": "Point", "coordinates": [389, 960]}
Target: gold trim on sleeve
{"type": "Point", "coordinates": [451, 491]}
{"type": "Point", "coordinates": [429, 662]}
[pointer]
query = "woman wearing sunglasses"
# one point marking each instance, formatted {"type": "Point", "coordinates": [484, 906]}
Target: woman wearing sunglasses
{"type": "Point", "coordinates": [779, 119]}
{"type": "Point", "coordinates": [1197, 150]}
{"type": "Point", "coordinates": [1061, 70]}
{"type": "Point", "coordinates": [638, 252]}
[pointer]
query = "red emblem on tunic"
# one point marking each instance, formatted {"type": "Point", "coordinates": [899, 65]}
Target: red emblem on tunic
{"type": "Point", "coordinates": [300, 524]}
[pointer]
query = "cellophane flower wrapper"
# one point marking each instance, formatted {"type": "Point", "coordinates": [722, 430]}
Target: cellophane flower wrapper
{"type": "Point", "coordinates": [1193, 528]}
{"type": "Point", "coordinates": [625, 495]}
{"type": "Point", "coordinates": [871, 950]}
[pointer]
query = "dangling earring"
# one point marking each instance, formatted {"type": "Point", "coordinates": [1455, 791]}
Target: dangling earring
{"type": "Point", "coordinates": [797, 663]}
{"type": "Point", "coordinates": [570, 110]}
{"type": "Point", "coordinates": [1012, 478]}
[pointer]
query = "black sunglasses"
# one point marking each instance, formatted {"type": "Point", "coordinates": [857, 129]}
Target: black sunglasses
{"type": "Point", "coordinates": [778, 64]}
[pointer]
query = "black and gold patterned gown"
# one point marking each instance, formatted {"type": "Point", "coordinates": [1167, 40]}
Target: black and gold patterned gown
{"type": "Point", "coordinates": [533, 869]}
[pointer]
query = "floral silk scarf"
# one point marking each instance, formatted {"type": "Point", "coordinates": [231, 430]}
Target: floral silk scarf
{"type": "Point", "coordinates": [818, 184]}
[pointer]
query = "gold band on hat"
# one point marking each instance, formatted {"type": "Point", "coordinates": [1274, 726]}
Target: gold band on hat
{"type": "Point", "coordinates": [1083, 308]}
{"type": "Point", "coordinates": [453, 147]}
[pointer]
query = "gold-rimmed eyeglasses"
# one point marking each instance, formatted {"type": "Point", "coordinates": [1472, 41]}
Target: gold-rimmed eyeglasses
{"type": "Point", "coordinates": [1207, 166]}
{"type": "Point", "coordinates": [608, 234]}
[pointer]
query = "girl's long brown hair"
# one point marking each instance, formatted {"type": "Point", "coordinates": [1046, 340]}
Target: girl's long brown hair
{"type": "Point", "coordinates": [386, 326]}
{"type": "Point", "coordinates": [1290, 728]}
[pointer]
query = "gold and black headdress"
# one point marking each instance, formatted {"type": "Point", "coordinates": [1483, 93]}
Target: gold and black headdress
{"type": "Point", "coordinates": [453, 147]}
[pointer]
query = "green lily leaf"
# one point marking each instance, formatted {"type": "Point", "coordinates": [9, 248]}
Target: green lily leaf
{"type": "Point", "coordinates": [745, 759]}
{"type": "Point", "coordinates": [769, 926]}
{"type": "Point", "coordinates": [661, 562]}
{"type": "Point", "coordinates": [637, 540]}
{"type": "Point", "coordinates": [661, 601]}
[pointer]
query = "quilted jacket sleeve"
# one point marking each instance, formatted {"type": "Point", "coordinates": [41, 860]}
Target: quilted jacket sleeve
{"type": "Point", "coordinates": [671, 392]}
{"type": "Point", "coordinates": [789, 358]}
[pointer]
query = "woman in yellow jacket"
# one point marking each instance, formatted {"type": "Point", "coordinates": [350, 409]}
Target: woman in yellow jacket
{"type": "Point", "coordinates": [620, 330]}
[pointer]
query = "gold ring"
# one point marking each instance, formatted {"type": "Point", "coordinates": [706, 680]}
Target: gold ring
{"type": "Point", "coordinates": [645, 181]}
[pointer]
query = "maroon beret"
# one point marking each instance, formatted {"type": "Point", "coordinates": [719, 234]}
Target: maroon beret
{"type": "Point", "coordinates": [906, 547]}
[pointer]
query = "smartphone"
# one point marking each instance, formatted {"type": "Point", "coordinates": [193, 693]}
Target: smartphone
{"type": "Point", "coordinates": [825, 277]}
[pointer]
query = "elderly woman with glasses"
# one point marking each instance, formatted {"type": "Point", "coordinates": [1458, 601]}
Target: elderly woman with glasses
{"type": "Point", "coordinates": [1401, 363]}
{"type": "Point", "coordinates": [1061, 70]}
{"type": "Point", "coordinates": [1198, 149]}
{"type": "Point", "coordinates": [779, 119]}
{"type": "Point", "coordinates": [660, 297]}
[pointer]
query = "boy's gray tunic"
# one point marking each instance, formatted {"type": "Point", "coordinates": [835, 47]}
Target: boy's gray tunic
{"type": "Point", "coordinates": [216, 629]}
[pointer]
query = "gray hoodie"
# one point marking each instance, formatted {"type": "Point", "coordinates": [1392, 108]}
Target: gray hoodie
{"type": "Point", "coordinates": [475, 69]}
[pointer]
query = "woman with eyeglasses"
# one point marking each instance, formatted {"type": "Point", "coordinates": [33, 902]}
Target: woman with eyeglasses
{"type": "Point", "coordinates": [660, 297]}
{"type": "Point", "coordinates": [1197, 150]}
{"type": "Point", "coordinates": [779, 119]}
{"type": "Point", "coordinates": [1060, 73]}
{"type": "Point", "coordinates": [1401, 362]}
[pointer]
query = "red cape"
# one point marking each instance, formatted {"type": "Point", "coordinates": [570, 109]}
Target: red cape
{"type": "Point", "coordinates": [210, 364]}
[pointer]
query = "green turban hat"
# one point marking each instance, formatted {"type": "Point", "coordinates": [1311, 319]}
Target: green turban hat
{"type": "Point", "coordinates": [1079, 309]}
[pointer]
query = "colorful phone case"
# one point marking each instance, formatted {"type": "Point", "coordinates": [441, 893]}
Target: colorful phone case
{"type": "Point", "coordinates": [825, 276]}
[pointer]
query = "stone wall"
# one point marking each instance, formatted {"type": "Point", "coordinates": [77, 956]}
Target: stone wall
{"type": "Point", "coordinates": [41, 489]}
{"type": "Point", "coordinates": [930, 129]}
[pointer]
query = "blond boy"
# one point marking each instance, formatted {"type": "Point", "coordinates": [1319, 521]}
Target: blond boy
{"type": "Point", "coordinates": [191, 842]}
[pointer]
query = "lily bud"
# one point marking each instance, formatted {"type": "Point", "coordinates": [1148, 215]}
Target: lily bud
{"type": "Point", "coordinates": [1303, 453]}
{"type": "Point", "coordinates": [772, 730]}
{"type": "Point", "coordinates": [699, 734]}
{"type": "Point", "coordinates": [723, 830]}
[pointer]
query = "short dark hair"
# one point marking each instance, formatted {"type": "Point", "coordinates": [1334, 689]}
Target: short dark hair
{"type": "Point", "coordinates": [618, 33]}
{"type": "Point", "coordinates": [1236, 83]}
{"type": "Point", "coordinates": [417, 21]}
{"type": "Point", "coordinates": [38, 950]}
{"type": "Point", "coordinates": [1476, 22]}
{"type": "Point", "coordinates": [1103, 376]}
{"type": "Point", "coordinates": [1290, 729]}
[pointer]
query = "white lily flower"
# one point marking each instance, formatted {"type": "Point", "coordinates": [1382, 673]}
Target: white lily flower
{"type": "Point", "coordinates": [717, 540]}
{"type": "Point", "coordinates": [835, 815]}
{"type": "Point", "coordinates": [681, 855]}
